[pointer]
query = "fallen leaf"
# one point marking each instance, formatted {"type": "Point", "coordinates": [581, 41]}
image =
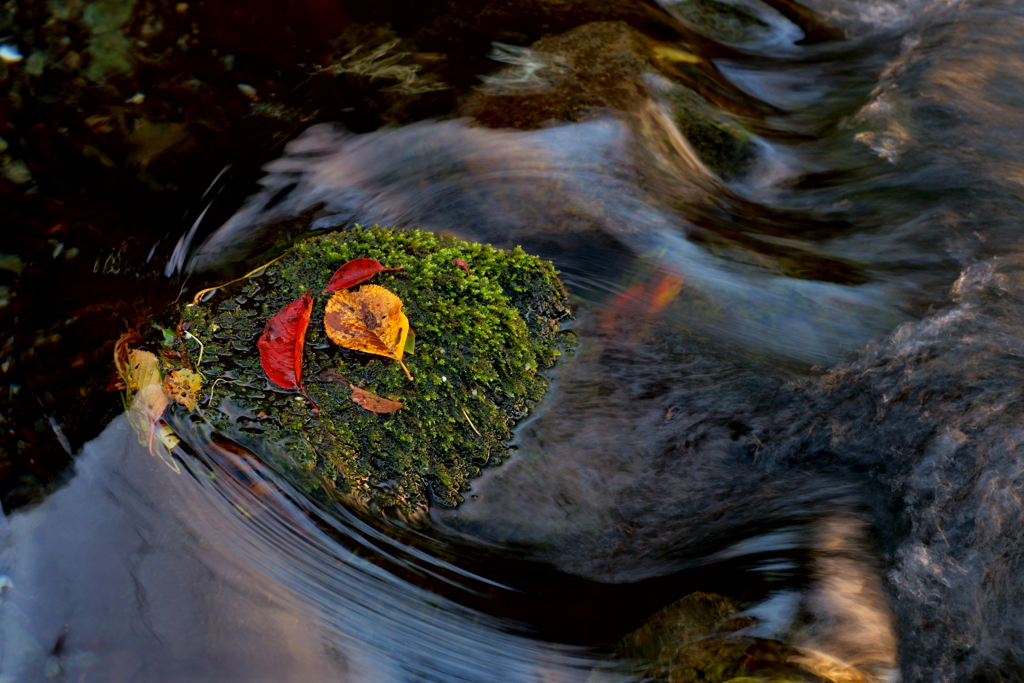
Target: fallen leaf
{"type": "Point", "coordinates": [369, 320]}
{"type": "Point", "coordinates": [462, 264]}
{"type": "Point", "coordinates": [373, 402]}
{"type": "Point", "coordinates": [410, 343]}
{"type": "Point", "coordinates": [149, 403]}
{"type": "Point", "coordinates": [675, 55]}
{"type": "Point", "coordinates": [167, 437]}
{"type": "Point", "coordinates": [116, 383]}
{"type": "Point", "coordinates": [332, 375]}
{"type": "Point", "coordinates": [355, 272]}
{"type": "Point", "coordinates": [121, 363]}
{"type": "Point", "coordinates": [143, 369]}
{"type": "Point", "coordinates": [182, 386]}
{"type": "Point", "coordinates": [282, 343]}
{"type": "Point", "coordinates": [664, 292]}
{"type": "Point", "coordinates": [642, 300]}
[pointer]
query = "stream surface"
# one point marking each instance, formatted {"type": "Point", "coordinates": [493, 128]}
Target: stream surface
{"type": "Point", "coordinates": [820, 423]}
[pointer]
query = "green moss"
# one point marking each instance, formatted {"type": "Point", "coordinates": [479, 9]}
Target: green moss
{"type": "Point", "coordinates": [724, 145]}
{"type": "Point", "coordinates": [698, 639]}
{"type": "Point", "coordinates": [721, 21]}
{"type": "Point", "coordinates": [483, 342]}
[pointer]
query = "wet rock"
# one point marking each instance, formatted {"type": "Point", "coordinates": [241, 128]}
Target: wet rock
{"type": "Point", "coordinates": [727, 22]}
{"type": "Point", "coordinates": [607, 65]}
{"type": "Point", "coordinates": [563, 77]}
{"type": "Point", "coordinates": [722, 143]}
{"type": "Point", "coordinates": [484, 341]}
{"type": "Point", "coordinates": [701, 638]}
{"type": "Point", "coordinates": [109, 48]}
{"type": "Point", "coordinates": [88, 163]}
{"type": "Point", "coordinates": [17, 172]}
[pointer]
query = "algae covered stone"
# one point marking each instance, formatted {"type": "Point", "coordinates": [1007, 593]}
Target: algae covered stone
{"type": "Point", "coordinates": [702, 638]}
{"type": "Point", "coordinates": [725, 21]}
{"type": "Point", "coordinates": [483, 341]}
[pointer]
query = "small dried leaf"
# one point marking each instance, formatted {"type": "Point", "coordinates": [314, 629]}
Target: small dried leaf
{"type": "Point", "coordinates": [373, 402]}
{"type": "Point", "coordinates": [183, 387]}
{"type": "Point", "coordinates": [369, 320]}
{"type": "Point", "coordinates": [330, 375]}
{"type": "Point", "coordinates": [355, 272]}
{"type": "Point", "coordinates": [121, 360]}
{"type": "Point", "coordinates": [282, 343]}
{"type": "Point", "coordinates": [167, 437]}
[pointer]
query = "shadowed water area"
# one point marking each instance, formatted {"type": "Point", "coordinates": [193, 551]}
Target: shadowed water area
{"type": "Point", "coordinates": [783, 448]}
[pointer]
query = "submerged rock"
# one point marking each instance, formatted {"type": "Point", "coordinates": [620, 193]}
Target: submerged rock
{"type": "Point", "coordinates": [601, 66]}
{"type": "Point", "coordinates": [560, 78]}
{"type": "Point", "coordinates": [701, 637]}
{"type": "Point", "coordinates": [722, 21]}
{"type": "Point", "coordinates": [483, 341]}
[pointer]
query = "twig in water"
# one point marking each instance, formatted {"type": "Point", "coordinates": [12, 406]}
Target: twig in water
{"type": "Point", "coordinates": [202, 348]}
{"type": "Point", "coordinates": [202, 292]}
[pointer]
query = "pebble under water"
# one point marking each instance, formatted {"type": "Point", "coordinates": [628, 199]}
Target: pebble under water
{"type": "Point", "coordinates": [784, 449]}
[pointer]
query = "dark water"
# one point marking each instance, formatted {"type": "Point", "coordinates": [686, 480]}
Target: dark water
{"type": "Point", "coordinates": [821, 426]}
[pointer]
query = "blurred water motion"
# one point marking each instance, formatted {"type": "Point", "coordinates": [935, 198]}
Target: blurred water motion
{"type": "Point", "coordinates": [134, 572]}
{"type": "Point", "coordinates": [213, 569]}
{"type": "Point", "coordinates": [570, 193]}
{"type": "Point", "coordinates": [691, 501]}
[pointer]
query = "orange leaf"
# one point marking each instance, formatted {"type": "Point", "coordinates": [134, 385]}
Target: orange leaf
{"type": "Point", "coordinates": [373, 402]}
{"type": "Point", "coordinates": [369, 320]}
{"type": "Point", "coordinates": [182, 386]}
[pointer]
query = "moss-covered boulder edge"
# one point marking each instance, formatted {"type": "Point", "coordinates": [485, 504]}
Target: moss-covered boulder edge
{"type": "Point", "coordinates": [483, 343]}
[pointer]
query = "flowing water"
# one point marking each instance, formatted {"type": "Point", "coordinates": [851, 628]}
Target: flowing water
{"type": "Point", "coordinates": [819, 424]}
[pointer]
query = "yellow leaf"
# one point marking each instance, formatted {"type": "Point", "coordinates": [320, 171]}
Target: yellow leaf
{"type": "Point", "coordinates": [368, 320]}
{"type": "Point", "coordinates": [183, 386]}
{"type": "Point", "coordinates": [150, 401]}
{"type": "Point", "coordinates": [144, 373]}
{"type": "Point", "coordinates": [673, 54]}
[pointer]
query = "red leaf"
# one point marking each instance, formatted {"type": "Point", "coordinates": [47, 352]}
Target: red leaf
{"type": "Point", "coordinates": [354, 272]}
{"type": "Point", "coordinates": [462, 264]}
{"type": "Point", "coordinates": [282, 342]}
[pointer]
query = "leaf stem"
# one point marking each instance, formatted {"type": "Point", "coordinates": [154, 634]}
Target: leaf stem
{"type": "Point", "coordinates": [203, 292]}
{"type": "Point", "coordinates": [189, 335]}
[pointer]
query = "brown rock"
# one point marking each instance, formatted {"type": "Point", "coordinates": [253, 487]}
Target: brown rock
{"type": "Point", "coordinates": [564, 77]}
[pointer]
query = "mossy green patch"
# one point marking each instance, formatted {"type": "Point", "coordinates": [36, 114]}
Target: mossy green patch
{"type": "Point", "coordinates": [723, 144]}
{"type": "Point", "coordinates": [698, 639]}
{"type": "Point", "coordinates": [483, 343]}
{"type": "Point", "coordinates": [721, 20]}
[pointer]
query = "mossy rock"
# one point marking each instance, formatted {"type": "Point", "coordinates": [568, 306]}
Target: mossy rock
{"type": "Point", "coordinates": [722, 21]}
{"type": "Point", "coordinates": [483, 343]}
{"type": "Point", "coordinates": [699, 638]}
{"type": "Point", "coordinates": [722, 143]}
{"type": "Point", "coordinates": [607, 66]}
